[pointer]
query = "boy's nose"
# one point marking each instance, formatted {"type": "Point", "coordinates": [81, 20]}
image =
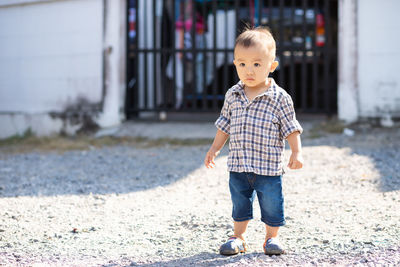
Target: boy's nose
{"type": "Point", "coordinates": [249, 70]}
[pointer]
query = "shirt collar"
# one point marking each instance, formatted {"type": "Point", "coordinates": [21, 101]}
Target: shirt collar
{"type": "Point", "coordinates": [239, 88]}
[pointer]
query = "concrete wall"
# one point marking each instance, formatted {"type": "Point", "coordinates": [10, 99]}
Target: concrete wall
{"type": "Point", "coordinates": [60, 64]}
{"type": "Point", "coordinates": [50, 55]}
{"type": "Point", "coordinates": [348, 99]}
{"type": "Point", "coordinates": [369, 59]}
{"type": "Point", "coordinates": [379, 57]}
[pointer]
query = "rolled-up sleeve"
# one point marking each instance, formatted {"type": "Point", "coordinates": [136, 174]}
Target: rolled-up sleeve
{"type": "Point", "coordinates": [289, 123]}
{"type": "Point", "coordinates": [223, 122]}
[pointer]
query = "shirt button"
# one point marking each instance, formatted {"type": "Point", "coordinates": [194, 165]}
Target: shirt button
{"type": "Point", "coordinates": [244, 127]}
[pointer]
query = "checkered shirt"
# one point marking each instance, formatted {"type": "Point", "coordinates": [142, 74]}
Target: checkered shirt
{"type": "Point", "coordinates": [257, 129]}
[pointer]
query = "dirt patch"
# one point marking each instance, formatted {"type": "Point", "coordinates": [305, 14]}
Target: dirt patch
{"type": "Point", "coordinates": [29, 143]}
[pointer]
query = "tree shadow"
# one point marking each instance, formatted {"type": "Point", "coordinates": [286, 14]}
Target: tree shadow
{"type": "Point", "coordinates": [111, 170]}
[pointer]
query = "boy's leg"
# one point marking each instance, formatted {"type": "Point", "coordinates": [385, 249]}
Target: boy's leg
{"type": "Point", "coordinates": [269, 191]}
{"type": "Point", "coordinates": [270, 198]}
{"type": "Point", "coordinates": [235, 243]}
{"type": "Point", "coordinates": [272, 246]}
{"type": "Point", "coordinates": [240, 228]}
{"type": "Point", "coordinates": [271, 232]}
{"type": "Point", "coordinates": [242, 195]}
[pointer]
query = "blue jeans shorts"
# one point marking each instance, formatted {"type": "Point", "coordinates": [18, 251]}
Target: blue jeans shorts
{"type": "Point", "coordinates": [245, 185]}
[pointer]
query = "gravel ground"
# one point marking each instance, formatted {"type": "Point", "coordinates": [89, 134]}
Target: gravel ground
{"type": "Point", "coordinates": [159, 206]}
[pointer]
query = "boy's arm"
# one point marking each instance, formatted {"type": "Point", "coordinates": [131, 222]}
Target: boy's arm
{"type": "Point", "coordinates": [296, 158]}
{"type": "Point", "coordinates": [219, 142]}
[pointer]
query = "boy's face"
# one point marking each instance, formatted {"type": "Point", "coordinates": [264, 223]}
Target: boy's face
{"type": "Point", "coordinates": [253, 65]}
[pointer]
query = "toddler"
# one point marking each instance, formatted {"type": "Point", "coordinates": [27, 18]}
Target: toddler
{"type": "Point", "coordinates": [258, 116]}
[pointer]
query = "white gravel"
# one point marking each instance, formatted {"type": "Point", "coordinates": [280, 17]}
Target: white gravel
{"type": "Point", "coordinates": [159, 206]}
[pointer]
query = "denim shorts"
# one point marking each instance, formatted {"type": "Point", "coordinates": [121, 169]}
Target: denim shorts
{"type": "Point", "coordinates": [245, 185]}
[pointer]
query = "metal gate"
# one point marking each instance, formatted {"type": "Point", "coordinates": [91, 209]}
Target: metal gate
{"type": "Point", "coordinates": [180, 52]}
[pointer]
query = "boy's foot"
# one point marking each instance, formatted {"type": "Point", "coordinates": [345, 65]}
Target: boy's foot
{"type": "Point", "coordinates": [233, 246]}
{"type": "Point", "coordinates": [273, 247]}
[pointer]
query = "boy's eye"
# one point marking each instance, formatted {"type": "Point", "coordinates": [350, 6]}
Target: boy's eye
{"type": "Point", "coordinates": [241, 64]}
{"type": "Point", "coordinates": [257, 64]}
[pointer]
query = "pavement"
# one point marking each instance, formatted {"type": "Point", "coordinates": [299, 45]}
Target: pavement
{"type": "Point", "coordinates": [160, 130]}
{"type": "Point", "coordinates": [174, 129]}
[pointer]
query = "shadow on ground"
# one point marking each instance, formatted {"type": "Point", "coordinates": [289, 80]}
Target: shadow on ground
{"type": "Point", "coordinates": [380, 145]}
{"type": "Point", "coordinates": [111, 170]}
{"type": "Point", "coordinates": [203, 259]}
{"type": "Point", "coordinates": [125, 169]}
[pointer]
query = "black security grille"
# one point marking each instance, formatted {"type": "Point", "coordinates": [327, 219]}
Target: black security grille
{"type": "Point", "coordinates": [180, 52]}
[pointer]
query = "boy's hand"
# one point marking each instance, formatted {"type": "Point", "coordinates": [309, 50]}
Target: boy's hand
{"type": "Point", "coordinates": [209, 159]}
{"type": "Point", "coordinates": [296, 161]}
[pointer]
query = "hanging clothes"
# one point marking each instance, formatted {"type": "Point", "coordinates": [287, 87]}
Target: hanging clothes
{"type": "Point", "coordinates": [184, 40]}
{"type": "Point", "coordinates": [226, 35]}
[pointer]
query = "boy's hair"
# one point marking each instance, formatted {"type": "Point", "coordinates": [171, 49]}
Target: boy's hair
{"type": "Point", "coordinates": [252, 36]}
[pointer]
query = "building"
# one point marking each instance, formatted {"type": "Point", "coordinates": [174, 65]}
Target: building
{"type": "Point", "coordinates": [64, 64]}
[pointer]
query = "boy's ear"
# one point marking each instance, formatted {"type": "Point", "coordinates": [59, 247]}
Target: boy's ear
{"type": "Point", "coordinates": [274, 65]}
{"type": "Point", "coordinates": [234, 62]}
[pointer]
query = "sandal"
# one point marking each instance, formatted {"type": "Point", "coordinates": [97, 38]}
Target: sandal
{"type": "Point", "coordinates": [273, 247]}
{"type": "Point", "coordinates": [233, 246]}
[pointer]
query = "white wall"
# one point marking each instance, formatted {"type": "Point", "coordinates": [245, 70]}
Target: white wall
{"type": "Point", "coordinates": [51, 62]}
{"type": "Point", "coordinates": [369, 60]}
{"type": "Point", "coordinates": [379, 57]}
{"type": "Point", "coordinates": [50, 55]}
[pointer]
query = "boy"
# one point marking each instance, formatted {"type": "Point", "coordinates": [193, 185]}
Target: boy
{"type": "Point", "coordinates": [258, 116]}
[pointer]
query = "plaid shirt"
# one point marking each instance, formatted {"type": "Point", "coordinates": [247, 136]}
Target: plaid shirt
{"type": "Point", "coordinates": [257, 129]}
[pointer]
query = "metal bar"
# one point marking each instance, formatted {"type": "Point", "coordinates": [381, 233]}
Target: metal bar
{"type": "Point", "coordinates": [170, 50]}
{"type": "Point", "coordinates": [154, 56]}
{"type": "Point", "coordinates": [214, 87]}
{"type": "Point", "coordinates": [163, 83]}
{"type": "Point", "coordinates": [173, 51]}
{"type": "Point", "coordinates": [292, 90]}
{"type": "Point", "coordinates": [315, 101]}
{"type": "Point", "coordinates": [136, 70]}
{"type": "Point", "coordinates": [327, 58]}
{"type": "Point", "coordinates": [238, 26]}
{"type": "Point", "coordinates": [163, 74]}
{"type": "Point", "coordinates": [204, 83]}
{"type": "Point", "coordinates": [260, 5]}
{"type": "Point", "coordinates": [194, 56]}
{"type": "Point", "coordinates": [226, 54]}
{"type": "Point", "coordinates": [158, 109]}
{"type": "Point", "coordinates": [127, 64]}
{"type": "Point", "coordinates": [334, 58]}
{"type": "Point", "coordinates": [182, 12]}
{"type": "Point", "coordinates": [270, 23]}
{"type": "Point", "coordinates": [270, 8]}
{"type": "Point", "coordinates": [145, 62]}
{"type": "Point", "coordinates": [146, 85]}
{"type": "Point", "coordinates": [237, 17]}
{"type": "Point", "coordinates": [186, 110]}
{"type": "Point", "coordinates": [304, 59]}
{"type": "Point", "coordinates": [281, 43]}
